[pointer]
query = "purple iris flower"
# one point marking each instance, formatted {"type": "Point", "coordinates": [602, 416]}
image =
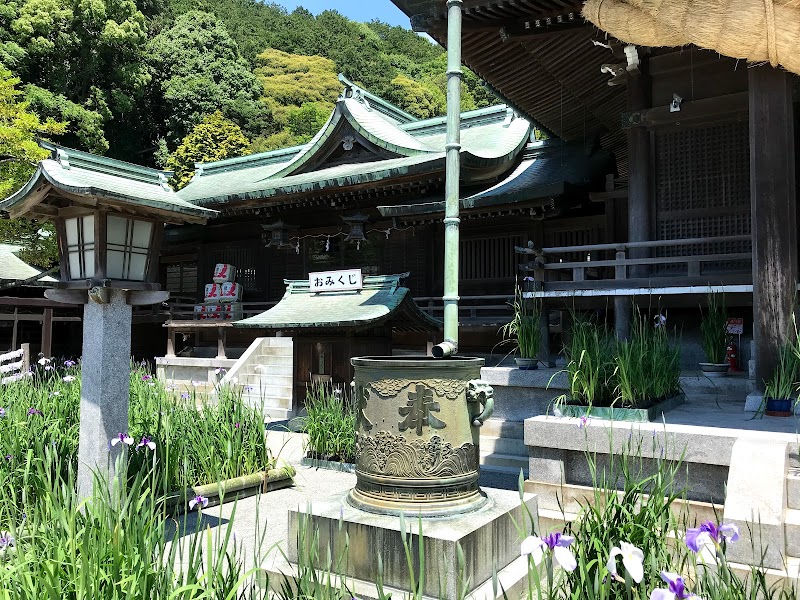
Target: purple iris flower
{"type": "Point", "coordinates": [676, 588]}
{"type": "Point", "coordinates": [69, 363]}
{"type": "Point", "coordinates": [237, 425]}
{"type": "Point", "coordinates": [198, 501]}
{"type": "Point", "coordinates": [556, 543]}
{"type": "Point", "coordinates": [2, 412]}
{"type": "Point", "coordinates": [583, 421]}
{"type": "Point", "coordinates": [146, 442]}
{"type": "Point", "coordinates": [34, 411]}
{"type": "Point", "coordinates": [710, 533]}
{"type": "Point", "coordinates": [185, 395]}
{"type": "Point", "coordinates": [6, 540]}
{"type": "Point", "coordinates": [122, 438]}
{"type": "Point", "coordinates": [9, 457]}
{"type": "Point", "coordinates": [146, 377]}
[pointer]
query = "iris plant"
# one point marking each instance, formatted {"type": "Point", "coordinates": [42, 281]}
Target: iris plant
{"type": "Point", "coordinates": [675, 590]}
{"type": "Point", "coordinates": [146, 442]}
{"type": "Point", "coordinates": [632, 559]}
{"type": "Point", "coordinates": [556, 543]}
{"type": "Point", "coordinates": [707, 539]}
{"type": "Point", "coordinates": [122, 438]}
{"type": "Point", "coordinates": [198, 502]}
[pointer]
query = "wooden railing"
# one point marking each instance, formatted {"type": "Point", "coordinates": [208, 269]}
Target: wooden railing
{"type": "Point", "coordinates": [15, 365]}
{"type": "Point", "coordinates": [625, 269]}
{"type": "Point", "coordinates": [472, 310]}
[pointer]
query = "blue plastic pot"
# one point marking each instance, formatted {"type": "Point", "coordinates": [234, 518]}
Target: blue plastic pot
{"type": "Point", "coordinates": [779, 407]}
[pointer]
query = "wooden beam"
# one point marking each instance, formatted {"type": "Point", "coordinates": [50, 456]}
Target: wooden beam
{"type": "Point", "coordinates": [773, 213]}
{"type": "Point", "coordinates": [30, 302]}
{"type": "Point", "coordinates": [47, 333]}
{"type": "Point", "coordinates": [707, 110]}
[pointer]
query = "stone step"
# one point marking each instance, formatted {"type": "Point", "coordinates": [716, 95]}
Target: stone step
{"type": "Point", "coordinates": [793, 488]}
{"type": "Point", "coordinates": [502, 445]}
{"type": "Point", "coordinates": [267, 402]}
{"type": "Point", "coordinates": [503, 428]}
{"type": "Point", "coordinates": [510, 461]}
{"type": "Point", "coordinates": [278, 342]}
{"type": "Point", "coordinates": [267, 379]}
{"type": "Point", "coordinates": [270, 369]}
{"type": "Point", "coordinates": [554, 520]}
{"type": "Point", "coordinates": [281, 351]}
{"type": "Point", "coordinates": [791, 526]}
{"type": "Point", "coordinates": [571, 497]}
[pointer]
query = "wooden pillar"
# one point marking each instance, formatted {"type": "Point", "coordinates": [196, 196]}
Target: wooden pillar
{"type": "Point", "coordinates": [773, 212]}
{"type": "Point", "coordinates": [641, 210]}
{"type": "Point", "coordinates": [545, 350]}
{"type": "Point", "coordinates": [15, 330]}
{"type": "Point", "coordinates": [171, 341]}
{"type": "Point", "coordinates": [47, 333]}
{"type": "Point", "coordinates": [221, 331]}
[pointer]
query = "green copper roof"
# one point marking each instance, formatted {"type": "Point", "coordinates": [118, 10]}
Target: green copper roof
{"type": "Point", "coordinates": [236, 186]}
{"type": "Point", "coordinates": [490, 137]}
{"type": "Point", "coordinates": [547, 170]}
{"type": "Point", "coordinates": [382, 301]}
{"type": "Point", "coordinates": [113, 181]}
{"type": "Point", "coordinates": [13, 268]}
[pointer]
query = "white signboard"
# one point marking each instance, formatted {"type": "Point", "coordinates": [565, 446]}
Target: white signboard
{"type": "Point", "coordinates": [335, 281]}
{"type": "Point", "coordinates": [736, 326]}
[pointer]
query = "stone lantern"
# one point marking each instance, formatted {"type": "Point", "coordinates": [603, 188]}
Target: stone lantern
{"type": "Point", "coordinates": [109, 217]}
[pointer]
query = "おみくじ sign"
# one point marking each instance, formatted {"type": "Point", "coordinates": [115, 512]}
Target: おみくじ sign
{"type": "Point", "coordinates": [335, 281]}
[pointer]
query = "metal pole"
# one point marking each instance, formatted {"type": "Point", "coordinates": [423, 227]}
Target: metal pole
{"type": "Point", "coordinates": [453, 170]}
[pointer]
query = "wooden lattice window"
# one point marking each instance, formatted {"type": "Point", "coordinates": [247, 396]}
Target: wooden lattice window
{"type": "Point", "coordinates": [181, 278]}
{"type": "Point", "coordinates": [703, 189]}
{"type": "Point", "coordinates": [489, 257]}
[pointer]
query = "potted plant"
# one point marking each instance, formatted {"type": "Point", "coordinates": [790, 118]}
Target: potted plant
{"type": "Point", "coordinates": [780, 392]}
{"type": "Point", "coordinates": [524, 330]}
{"type": "Point", "coordinates": [714, 329]}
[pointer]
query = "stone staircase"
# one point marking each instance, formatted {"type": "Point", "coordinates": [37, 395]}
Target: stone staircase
{"type": "Point", "coordinates": [266, 373]}
{"type": "Point", "coordinates": [503, 453]}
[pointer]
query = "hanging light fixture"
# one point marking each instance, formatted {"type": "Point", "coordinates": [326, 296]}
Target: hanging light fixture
{"type": "Point", "coordinates": [276, 235]}
{"type": "Point", "coordinates": [356, 223]}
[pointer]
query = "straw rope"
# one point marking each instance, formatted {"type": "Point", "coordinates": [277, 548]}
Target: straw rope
{"type": "Point", "coordinates": [754, 30]}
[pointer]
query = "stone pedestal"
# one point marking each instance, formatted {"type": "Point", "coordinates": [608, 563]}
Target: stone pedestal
{"type": "Point", "coordinates": [488, 538]}
{"type": "Point", "coordinates": [105, 375]}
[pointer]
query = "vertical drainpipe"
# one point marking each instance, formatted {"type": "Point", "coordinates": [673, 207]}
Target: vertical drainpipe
{"type": "Point", "coordinates": [452, 173]}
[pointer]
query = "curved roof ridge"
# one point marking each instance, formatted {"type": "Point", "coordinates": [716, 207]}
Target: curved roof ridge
{"type": "Point", "coordinates": [258, 159]}
{"type": "Point", "coordinates": [381, 105]}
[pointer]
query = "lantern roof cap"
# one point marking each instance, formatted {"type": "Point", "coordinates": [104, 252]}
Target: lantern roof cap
{"type": "Point", "coordinates": [71, 177]}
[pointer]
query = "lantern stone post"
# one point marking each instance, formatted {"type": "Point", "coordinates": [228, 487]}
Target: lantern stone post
{"type": "Point", "coordinates": [109, 217]}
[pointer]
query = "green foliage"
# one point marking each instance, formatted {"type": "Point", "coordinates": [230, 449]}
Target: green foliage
{"type": "Point", "coordinates": [276, 141]}
{"type": "Point", "coordinates": [200, 70]}
{"type": "Point", "coordinates": [423, 100]}
{"type": "Point", "coordinates": [19, 128]}
{"type": "Point", "coordinates": [524, 330]}
{"type": "Point", "coordinates": [590, 361]}
{"type": "Point", "coordinates": [647, 365]}
{"type": "Point", "coordinates": [38, 240]}
{"type": "Point", "coordinates": [714, 329]}
{"type": "Point", "coordinates": [86, 54]}
{"type": "Point", "coordinates": [293, 79]}
{"type": "Point", "coordinates": [214, 138]}
{"type": "Point", "coordinates": [637, 372]}
{"type": "Point", "coordinates": [330, 423]}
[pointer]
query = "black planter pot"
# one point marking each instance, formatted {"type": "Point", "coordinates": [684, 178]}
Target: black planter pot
{"type": "Point", "coordinates": [779, 407]}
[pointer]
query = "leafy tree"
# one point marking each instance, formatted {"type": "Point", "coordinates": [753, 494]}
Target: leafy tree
{"type": "Point", "coordinates": [87, 54]}
{"type": "Point", "coordinates": [283, 139]}
{"type": "Point", "coordinates": [293, 79]}
{"type": "Point", "coordinates": [423, 100]}
{"type": "Point", "coordinates": [307, 120]}
{"type": "Point", "coordinates": [214, 138]}
{"type": "Point", "coordinates": [200, 70]}
{"type": "Point", "coordinates": [19, 153]}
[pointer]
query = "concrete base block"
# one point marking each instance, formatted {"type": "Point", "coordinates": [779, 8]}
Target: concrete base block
{"type": "Point", "coordinates": [753, 401]}
{"type": "Point", "coordinates": [756, 500]}
{"type": "Point", "coordinates": [488, 538]}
